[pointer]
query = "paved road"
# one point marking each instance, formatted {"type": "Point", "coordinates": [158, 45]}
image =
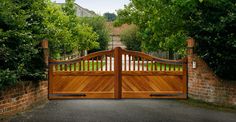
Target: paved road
{"type": "Point", "coordinates": [122, 111]}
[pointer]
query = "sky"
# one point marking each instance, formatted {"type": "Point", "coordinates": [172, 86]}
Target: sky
{"type": "Point", "coordinates": [100, 6]}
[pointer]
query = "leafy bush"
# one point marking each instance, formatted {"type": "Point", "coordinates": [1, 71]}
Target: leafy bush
{"type": "Point", "coordinates": [21, 27]}
{"type": "Point", "coordinates": [130, 38]}
{"type": "Point", "coordinates": [23, 24]}
{"type": "Point", "coordinates": [7, 78]}
{"type": "Point", "coordinates": [212, 24]}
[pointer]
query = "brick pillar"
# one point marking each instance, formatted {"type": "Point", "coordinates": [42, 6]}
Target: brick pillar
{"type": "Point", "coordinates": [190, 71]}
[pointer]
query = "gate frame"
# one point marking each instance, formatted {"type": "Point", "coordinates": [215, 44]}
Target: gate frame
{"type": "Point", "coordinates": [118, 74]}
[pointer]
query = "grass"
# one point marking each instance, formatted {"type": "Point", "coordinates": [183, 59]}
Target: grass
{"type": "Point", "coordinates": [211, 106]}
{"type": "Point", "coordinates": [162, 67]}
{"type": "Point", "coordinates": [75, 67]}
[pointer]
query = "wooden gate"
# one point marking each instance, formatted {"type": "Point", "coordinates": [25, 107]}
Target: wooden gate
{"type": "Point", "coordinates": [117, 74]}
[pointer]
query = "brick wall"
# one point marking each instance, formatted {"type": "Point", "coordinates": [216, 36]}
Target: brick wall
{"type": "Point", "coordinates": [22, 97]}
{"type": "Point", "coordinates": [204, 85]}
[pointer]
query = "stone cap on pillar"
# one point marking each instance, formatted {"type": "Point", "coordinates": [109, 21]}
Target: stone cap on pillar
{"type": "Point", "coordinates": [44, 43]}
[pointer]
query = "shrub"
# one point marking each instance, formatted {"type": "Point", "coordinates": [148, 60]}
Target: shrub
{"type": "Point", "coordinates": [130, 38]}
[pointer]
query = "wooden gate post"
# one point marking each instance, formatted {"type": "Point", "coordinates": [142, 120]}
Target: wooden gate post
{"type": "Point", "coordinates": [49, 68]}
{"type": "Point", "coordinates": [44, 44]}
{"type": "Point", "coordinates": [118, 70]}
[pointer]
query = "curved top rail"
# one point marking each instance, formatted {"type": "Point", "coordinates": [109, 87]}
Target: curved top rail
{"type": "Point", "coordinates": [149, 57]}
{"type": "Point", "coordinates": [89, 56]}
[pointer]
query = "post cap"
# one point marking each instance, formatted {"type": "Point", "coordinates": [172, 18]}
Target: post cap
{"type": "Point", "coordinates": [190, 43]}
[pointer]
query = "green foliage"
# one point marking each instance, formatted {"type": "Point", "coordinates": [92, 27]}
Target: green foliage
{"type": "Point", "coordinates": [7, 78]}
{"type": "Point", "coordinates": [159, 22]}
{"type": "Point", "coordinates": [21, 29]}
{"type": "Point", "coordinates": [99, 26]}
{"type": "Point", "coordinates": [109, 16]}
{"type": "Point", "coordinates": [212, 24]}
{"type": "Point", "coordinates": [65, 31]}
{"type": "Point", "coordinates": [130, 38]}
{"type": "Point", "coordinates": [23, 24]}
{"type": "Point", "coordinates": [165, 25]}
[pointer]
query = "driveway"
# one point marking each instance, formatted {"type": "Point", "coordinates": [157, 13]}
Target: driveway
{"type": "Point", "coordinates": [125, 110]}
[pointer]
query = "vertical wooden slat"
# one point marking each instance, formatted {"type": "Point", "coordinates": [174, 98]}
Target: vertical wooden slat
{"type": "Point", "coordinates": [88, 68]}
{"type": "Point", "coordinates": [129, 62]}
{"type": "Point", "coordinates": [174, 67]}
{"type": "Point", "coordinates": [70, 66]}
{"type": "Point", "coordinates": [133, 63]}
{"type": "Point", "coordinates": [101, 63]}
{"type": "Point", "coordinates": [75, 66]}
{"type": "Point", "coordinates": [56, 67]}
{"type": "Point", "coordinates": [117, 71]}
{"type": "Point", "coordinates": [169, 67]}
{"type": "Point", "coordinates": [164, 67]}
{"type": "Point", "coordinates": [106, 62]}
{"type": "Point", "coordinates": [125, 62]}
{"type": "Point", "coordinates": [152, 65]}
{"type": "Point", "coordinates": [83, 65]}
{"type": "Point", "coordinates": [155, 65]}
{"type": "Point", "coordinates": [65, 67]}
{"type": "Point", "coordinates": [142, 64]}
{"type": "Point", "coordinates": [97, 64]}
{"type": "Point", "coordinates": [160, 66]}
{"type": "Point", "coordinates": [138, 64]}
{"type": "Point", "coordinates": [79, 63]}
{"type": "Point", "coordinates": [110, 62]}
{"type": "Point", "coordinates": [60, 67]}
{"type": "Point", "coordinates": [147, 65]}
{"type": "Point", "coordinates": [92, 64]}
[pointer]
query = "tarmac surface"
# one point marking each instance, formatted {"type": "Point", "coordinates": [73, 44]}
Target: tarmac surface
{"type": "Point", "coordinates": [124, 110]}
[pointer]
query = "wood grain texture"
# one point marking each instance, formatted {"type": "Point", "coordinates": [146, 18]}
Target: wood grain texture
{"type": "Point", "coordinates": [137, 75]}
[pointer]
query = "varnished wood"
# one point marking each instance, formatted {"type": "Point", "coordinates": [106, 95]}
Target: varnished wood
{"type": "Point", "coordinates": [106, 62]}
{"type": "Point", "coordinates": [125, 62]}
{"type": "Point", "coordinates": [88, 68]}
{"type": "Point", "coordinates": [130, 83]}
{"type": "Point", "coordinates": [50, 79]}
{"type": "Point", "coordinates": [185, 61]}
{"type": "Point", "coordinates": [117, 71]}
{"type": "Point", "coordinates": [151, 73]}
{"type": "Point", "coordinates": [83, 73]}
{"type": "Point", "coordinates": [129, 63]}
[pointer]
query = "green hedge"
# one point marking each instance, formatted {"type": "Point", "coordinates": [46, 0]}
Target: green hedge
{"type": "Point", "coordinates": [212, 24]}
{"type": "Point", "coordinates": [20, 36]}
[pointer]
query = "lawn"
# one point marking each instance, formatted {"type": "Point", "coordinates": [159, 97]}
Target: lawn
{"type": "Point", "coordinates": [169, 67]}
{"type": "Point", "coordinates": [84, 67]}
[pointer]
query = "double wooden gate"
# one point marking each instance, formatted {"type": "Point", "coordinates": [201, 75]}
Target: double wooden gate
{"type": "Point", "coordinates": [117, 74]}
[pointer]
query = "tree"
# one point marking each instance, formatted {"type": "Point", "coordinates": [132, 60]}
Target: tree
{"type": "Point", "coordinates": [165, 24]}
{"type": "Point", "coordinates": [130, 38]}
{"type": "Point", "coordinates": [157, 24]}
{"type": "Point", "coordinates": [65, 31]}
{"type": "Point", "coordinates": [109, 16]}
{"type": "Point", "coordinates": [99, 26]}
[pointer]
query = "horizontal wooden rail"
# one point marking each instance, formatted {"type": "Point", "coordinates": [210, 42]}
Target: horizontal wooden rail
{"type": "Point", "coordinates": [152, 58]}
{"type": "Point", "coordinates": [84, 73]}
{"type": "Point", "coordinates": [151, 73]}
{"type": "Point", "coordinates": [89, 56]}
